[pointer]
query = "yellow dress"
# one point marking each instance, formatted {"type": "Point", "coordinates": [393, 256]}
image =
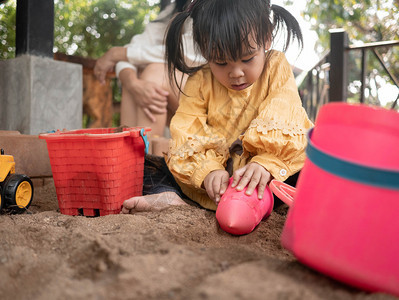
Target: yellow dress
{"type": "Point", "coordinates": [267, 117]}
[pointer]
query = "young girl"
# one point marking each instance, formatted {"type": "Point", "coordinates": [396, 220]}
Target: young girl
{"type": "Point", "coordinates": [239, 115]}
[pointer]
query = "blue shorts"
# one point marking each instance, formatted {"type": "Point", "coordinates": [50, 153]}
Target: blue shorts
{"type": "Point", "coordinates": [158, 179]}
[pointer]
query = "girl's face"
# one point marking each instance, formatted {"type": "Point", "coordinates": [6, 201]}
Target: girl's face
{"type": "Point", "coordinates": [242, 73]}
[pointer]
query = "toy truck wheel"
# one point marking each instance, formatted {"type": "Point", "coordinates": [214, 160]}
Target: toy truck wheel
{"type": "Point", "coordinates": [18, 192]}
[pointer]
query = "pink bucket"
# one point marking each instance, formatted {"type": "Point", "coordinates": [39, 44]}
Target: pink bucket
{"type": "Point", "coordinates": [344, 221]}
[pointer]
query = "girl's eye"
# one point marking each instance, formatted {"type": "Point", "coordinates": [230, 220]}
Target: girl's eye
{"type": "Point", "coordinates": [248, 60]}
{"type": "Point", "coordinates": [221, 63]}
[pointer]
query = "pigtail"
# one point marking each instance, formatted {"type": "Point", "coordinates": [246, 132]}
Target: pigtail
{"type": "Point", "coordinates": [280, 16]}
{"type": "Point", "coordinates": [180, 5]}
{"type": "Point", "coordinates": [174, 50]}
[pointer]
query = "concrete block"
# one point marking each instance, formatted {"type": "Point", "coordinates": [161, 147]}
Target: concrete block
{"type": "Point", "coordinates": [39, 94]}
{"type": "Point", "coordinates": [30, 153]}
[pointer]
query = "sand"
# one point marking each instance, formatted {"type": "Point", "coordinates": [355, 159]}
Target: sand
{"type": "Point", "coordinates": [179, 253]}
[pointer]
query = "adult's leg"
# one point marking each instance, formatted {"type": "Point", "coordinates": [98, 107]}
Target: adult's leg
{"type": "Point", "coordinates": [129, 109]}
{"type": "Point", "coordinates": [154, 73]}
{"type": "Point", "coordinates": [133, 115]}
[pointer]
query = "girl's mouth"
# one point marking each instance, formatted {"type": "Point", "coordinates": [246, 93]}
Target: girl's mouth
{"type": "Point", "coordinates": [239, 87]}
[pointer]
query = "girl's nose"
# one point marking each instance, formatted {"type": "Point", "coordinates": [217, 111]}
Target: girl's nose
{"type": "Point", "coordinates": [236, 72]}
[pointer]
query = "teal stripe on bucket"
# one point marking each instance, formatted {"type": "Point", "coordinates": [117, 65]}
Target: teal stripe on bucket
{"type": "Point", "coordinates": [352, 171]}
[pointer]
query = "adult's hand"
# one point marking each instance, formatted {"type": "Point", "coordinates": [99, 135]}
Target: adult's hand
{"type": "Point", "coordinates": [106, 63]}
{"type": "Point", "coordinates": [150, 96]}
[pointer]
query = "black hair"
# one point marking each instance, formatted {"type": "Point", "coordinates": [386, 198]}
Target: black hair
{"type": "Point", "coordinates": [221, 30]}
{"type": "Point", "coordinates": [180, 5]}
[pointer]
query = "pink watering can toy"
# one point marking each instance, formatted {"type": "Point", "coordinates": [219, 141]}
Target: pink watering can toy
{"type": "Point", "coordinates": [343, 217]}
{"type": "Point", "coordinates": [343, 220]}
{"type": "Point", "coordinates": [239, 214]}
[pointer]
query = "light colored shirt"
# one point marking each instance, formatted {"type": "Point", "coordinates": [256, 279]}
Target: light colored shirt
{"type": "Point", "coordinates": [148, 47]}
{"type": "Point", "coordinates": [267, 117]}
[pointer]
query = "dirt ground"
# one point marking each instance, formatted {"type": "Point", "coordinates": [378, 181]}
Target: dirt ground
{"type": "Point", "coordinates": [179, 253]}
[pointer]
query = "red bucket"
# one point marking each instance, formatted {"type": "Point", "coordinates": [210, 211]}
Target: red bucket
{"type": "Point", "coordinates": [96, 169]}
{"type": "Point", "coordinates": [344, 221]}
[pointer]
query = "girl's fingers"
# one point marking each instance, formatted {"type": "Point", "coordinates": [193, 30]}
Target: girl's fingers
{"type": "Point", "coordinates": [261, 190]}
{"type": "Point", "coordinates": [263, 184]}
{"type": "Point", "coordinates": [224, 185]}
{"type": "Point", "coordinates": [216, 183]}
{"type": "Point", "coordinates": [216, 189]}
{"type": "Point", "coordinates": [245, 179]}
{"type": "Point", "coordinates": [208, 182]}
{"type": "Point", "coordinates": [253, 183]}
{"type": "Point", "coordinates": [251, 176]}
{"type": "Point", "coordinates": [237, 176]}
{"type": "Point", "coordinates": [211, 193]}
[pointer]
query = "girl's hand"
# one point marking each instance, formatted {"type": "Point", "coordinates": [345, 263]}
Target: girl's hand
{"type": "Point", "coordinates": [150, 96]}
{"type": "Point", "coordinates": [216, 183]}
{"type": "Point", "coordinates": [253, 175]}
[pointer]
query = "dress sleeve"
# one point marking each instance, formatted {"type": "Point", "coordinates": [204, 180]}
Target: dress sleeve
{"type": "Point", "coordinates": [276, 138]}
{"type": "Point", "coordinates": [122, 65]}
{"type": "Point", "coordinates": [196, 148]}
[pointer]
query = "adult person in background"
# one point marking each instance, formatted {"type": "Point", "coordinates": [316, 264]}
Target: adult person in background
{"type": "Point", "coordinates": [148, 97]}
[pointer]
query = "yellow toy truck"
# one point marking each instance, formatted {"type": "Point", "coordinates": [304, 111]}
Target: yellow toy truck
{"type": "Point", "coordinates": [16, 190]}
